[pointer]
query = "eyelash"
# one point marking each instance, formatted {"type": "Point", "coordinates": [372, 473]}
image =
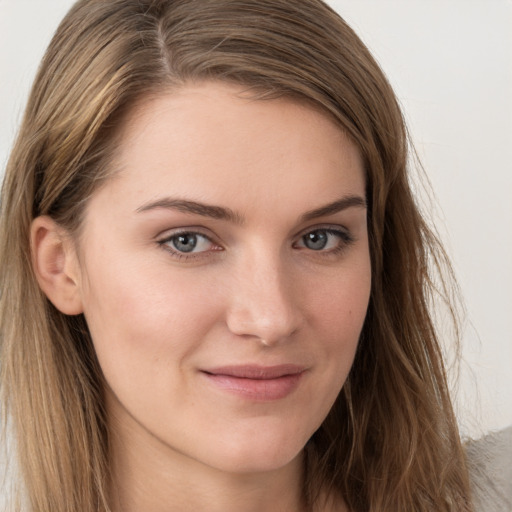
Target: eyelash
{"type": "Point", "coordinates": [165, 244]}
{"type": "Point", "coordinates": [345, 240]}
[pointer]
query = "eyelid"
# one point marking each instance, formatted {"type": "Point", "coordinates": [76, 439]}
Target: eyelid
{"type": "Point", "coordinates": [166, 236]}
{"type": "Point", "coordinates": [333, 228]}
{"type": "Point", "coordinates": [170, 232]}
{"type": "Point", "coordinates": [346, 238]}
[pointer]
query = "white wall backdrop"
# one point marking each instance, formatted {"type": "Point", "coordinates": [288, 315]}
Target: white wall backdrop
{"type": "Point", "coordinates": [450, 62]}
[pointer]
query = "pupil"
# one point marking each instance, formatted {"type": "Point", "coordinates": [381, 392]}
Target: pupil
{"type": "Point", "coordinates": [316, 240]}
{"type": "Point", "coordinates": [185, 242]}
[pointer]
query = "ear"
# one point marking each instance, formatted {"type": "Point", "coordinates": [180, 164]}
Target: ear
{"type": "Point", "coordinates": [56, 265]}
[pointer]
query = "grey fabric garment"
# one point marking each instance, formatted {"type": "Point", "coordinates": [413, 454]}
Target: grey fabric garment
{"type": "Point", "coordinates": [490, 464]}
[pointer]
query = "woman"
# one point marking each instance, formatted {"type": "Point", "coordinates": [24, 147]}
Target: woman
{"type": "Point", "coordinates": [207, 214]}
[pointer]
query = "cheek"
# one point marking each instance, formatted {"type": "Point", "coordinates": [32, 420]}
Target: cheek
{"type": "Point", "coordinates": [338, 314]}
{"type": "Point", "coordinates": [139, 316]}
{"type": "Point", "coordinates": [340, 305]}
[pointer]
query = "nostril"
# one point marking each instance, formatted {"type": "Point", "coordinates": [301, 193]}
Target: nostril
{"type": "Point", "coordinates": [264, 305]}
{"type": "Point", "coordinates": [270, 326]}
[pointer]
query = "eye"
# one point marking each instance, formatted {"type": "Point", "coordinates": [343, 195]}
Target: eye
{"type": "Point", "coordinates": [187, 242]}
{"type": "Point", "coordinates": [327, 240]}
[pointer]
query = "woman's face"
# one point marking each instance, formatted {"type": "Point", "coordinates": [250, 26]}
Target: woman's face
{"type": "Point", "coordinates": [225, 275]}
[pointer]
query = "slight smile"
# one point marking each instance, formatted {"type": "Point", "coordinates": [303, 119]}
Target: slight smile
{"type": "Point", "coordinates": [259, 383]}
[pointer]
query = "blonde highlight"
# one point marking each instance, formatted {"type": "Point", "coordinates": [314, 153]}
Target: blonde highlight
{"type": "Point", "coordinates": [391, 440]}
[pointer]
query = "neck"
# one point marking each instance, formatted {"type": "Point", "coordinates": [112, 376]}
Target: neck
{"type": "Point", "coordinates": [149, 476]}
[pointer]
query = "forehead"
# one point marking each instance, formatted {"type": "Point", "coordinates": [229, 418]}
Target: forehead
{"type": "Point", "coordinates": [212, 142]}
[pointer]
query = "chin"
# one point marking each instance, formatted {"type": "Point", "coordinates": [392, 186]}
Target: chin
{"type": "Point", "coordinates": [257, 453]}
{"type": "Point", "coordinates": [251, 464]}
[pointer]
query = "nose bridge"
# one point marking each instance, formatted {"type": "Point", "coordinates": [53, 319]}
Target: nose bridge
{"type": "Point", "coordinates": [263, 304]}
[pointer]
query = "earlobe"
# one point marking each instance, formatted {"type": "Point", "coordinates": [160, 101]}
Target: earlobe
{"type": "Point", "coordinates": [55, 265]}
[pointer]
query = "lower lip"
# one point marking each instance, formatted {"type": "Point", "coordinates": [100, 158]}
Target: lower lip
{"type": "Point", "coordinates": [262, 390]}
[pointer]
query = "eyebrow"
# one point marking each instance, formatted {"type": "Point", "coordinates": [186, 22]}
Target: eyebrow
{"type": "Point", "coordinates": [335, 207]}
{"type": "Point", "coordinates": [194, 207]}
{"type": "Point", "coordinates": [222, 213]}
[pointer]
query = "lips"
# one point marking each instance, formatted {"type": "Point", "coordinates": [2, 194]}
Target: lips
{"type": "Point", "coordinates": [259, 383]}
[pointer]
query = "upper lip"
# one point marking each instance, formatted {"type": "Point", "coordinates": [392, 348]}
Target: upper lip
{"type": "Point", "coordinates": [257, 372]}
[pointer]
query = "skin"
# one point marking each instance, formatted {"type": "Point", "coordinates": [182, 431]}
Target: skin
{"type": "Point", "coordinates": [252, 292]}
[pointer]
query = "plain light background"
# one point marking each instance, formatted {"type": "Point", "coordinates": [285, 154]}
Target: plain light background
{"type": "Point", "coordinates": [450, 62]}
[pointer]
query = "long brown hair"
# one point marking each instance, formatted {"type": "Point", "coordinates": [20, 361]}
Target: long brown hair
{"type": "Point", "coordinates": [391, 441]}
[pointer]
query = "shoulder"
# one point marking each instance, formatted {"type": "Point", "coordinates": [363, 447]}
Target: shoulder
{"type": "Point", "coordinates": [490, 466]}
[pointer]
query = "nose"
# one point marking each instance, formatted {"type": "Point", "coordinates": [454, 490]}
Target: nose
{"type": "Point", "coordinates": [263, 304]}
